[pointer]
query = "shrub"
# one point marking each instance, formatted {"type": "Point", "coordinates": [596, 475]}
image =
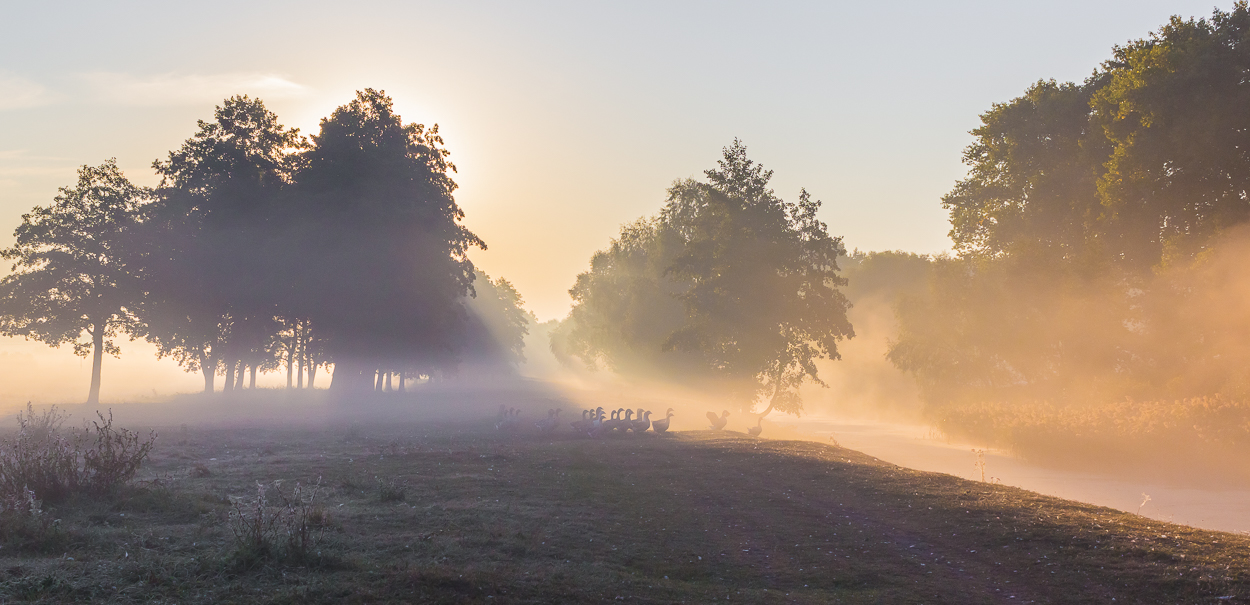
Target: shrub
{"type": "Point", "coordinates": [391, 490]}
{"type": "Point", "coordinates": [115, 457]}
{"type": "Point", "coordinates": [291, 528]}
{"type": "Point", "coordinates": [24, 523]}
{"type": "Point", "coordinates": [54, 463]}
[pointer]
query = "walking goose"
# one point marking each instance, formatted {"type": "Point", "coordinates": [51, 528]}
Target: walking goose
{"type": "Point", "coordinates": [643, 422]}
{"type": "Point", "coordinates": [661, 426]}
{"type": "Point", "coordinates": [586, 423]}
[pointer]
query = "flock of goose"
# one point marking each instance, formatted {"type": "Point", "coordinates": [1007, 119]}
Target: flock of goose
{"type": "Point", "coordinates": [594, 424]}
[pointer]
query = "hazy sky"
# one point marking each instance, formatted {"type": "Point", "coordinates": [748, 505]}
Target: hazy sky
{"type": "Point", "coordinates": [566, 120]}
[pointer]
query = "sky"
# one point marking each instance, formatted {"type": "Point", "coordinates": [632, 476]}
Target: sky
{"type": "Point", "coordinates": [565, 119]}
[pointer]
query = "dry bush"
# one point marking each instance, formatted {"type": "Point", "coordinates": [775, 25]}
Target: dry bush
{"type": "Point", "coordinates": [25, 524]}
{"type": "Point", "coordinates": [54, 462]}
{"type": "Point", "coordinates": [289, 528]}
{"type": "Point", "coordinates": [391, 489]}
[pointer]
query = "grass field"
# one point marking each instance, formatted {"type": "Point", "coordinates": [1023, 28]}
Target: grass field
{"type": "Point", "coordinates": [458, 512]}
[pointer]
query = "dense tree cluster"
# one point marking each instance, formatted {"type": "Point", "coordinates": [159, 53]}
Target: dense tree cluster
{"type": "Point", "coordinates": [261, 248]}
{"type": "Point", "coordinates": [1088, 213]}
{"type": "Point", "coordinates": [728, 284]}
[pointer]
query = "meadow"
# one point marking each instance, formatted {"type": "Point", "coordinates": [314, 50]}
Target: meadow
{"type": "Point", "coordinates": [453, 510]}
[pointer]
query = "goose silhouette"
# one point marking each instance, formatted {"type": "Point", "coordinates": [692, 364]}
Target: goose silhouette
{"type": "Point", "coordinates": [661, 426]}
{"type": "Point", "coordinates": [718, 422]}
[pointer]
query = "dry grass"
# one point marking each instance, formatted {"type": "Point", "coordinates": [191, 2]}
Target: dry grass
{"type": "Point", "coordinates": [690, 517]}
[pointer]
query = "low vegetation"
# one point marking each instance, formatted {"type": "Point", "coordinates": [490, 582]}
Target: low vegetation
{"type": "Point", "coordinates": [521, 518]}
{"type": "Point", "coordinates": [1189, 437]}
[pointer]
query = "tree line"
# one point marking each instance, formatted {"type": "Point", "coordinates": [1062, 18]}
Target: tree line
{"type": "Point", "coordinates": [261, 248]}
{"type": "Point", "coordinates": [1097, 233]}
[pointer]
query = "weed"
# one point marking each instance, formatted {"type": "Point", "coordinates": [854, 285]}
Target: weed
{"type": "Point", "coordinates": [55, 463]}
{"type": "Point", "coordinates": [24, 523]}
{"type": "Point", "coordinates": [289, 529]}
{"type": "Point", "coordinates": [1144, 499]}
{"type": "Point", "coordinates": [391, 490]}
{"type": "Point", "coordinates": [980, 462]}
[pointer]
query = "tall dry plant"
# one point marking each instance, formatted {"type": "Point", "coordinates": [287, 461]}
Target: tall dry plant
{"type": "Point", "coordinates": [53, 462]}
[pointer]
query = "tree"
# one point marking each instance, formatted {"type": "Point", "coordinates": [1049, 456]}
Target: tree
{"type": "Point", "coordinates": [1173, 109]}
{"type": "Point", "coordinates": [498, 323]}
{"type": "Point", "coordinates": [728, 279]}
{"type": "Point", "coordinates": [764, 302]}
{"type": "Point", "coordinates": [215, 286]}
{"type": "Point", "coordinates": [74, 269]}
{"type": "Point", "coordinates": [381, 262]}
{"type": "Point", "coordinates": [1083, 207]}
{"type": "Point", "coordinates": [1033, 176]}
{"type": "Point", "coordinates": [625, 307]}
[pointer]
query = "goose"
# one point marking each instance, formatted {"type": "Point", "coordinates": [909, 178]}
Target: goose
{"type": "Point", "coordinates": [550, 423]}
{"type": "Point", "coordinates": [599, 426]}
{"type": "Point", "coordinates": [586, 423]}
{"type": "Point", "coordinates": [643, 422]}
{"type": "Point", "coordinates": [613, 423]}
{"type": "Point", "coordinates": [626, 423]}
{"type": "Point", "coordinates": [661, 426]}
{"type": "Point", "coordinates": [757, 429]}
{"type": "Point", "coordinates": [718, 423]}
{"type": "Point", "coordinates": [510, 421]}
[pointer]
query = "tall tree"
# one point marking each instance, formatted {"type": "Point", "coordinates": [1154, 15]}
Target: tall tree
{"type": "Point", "coordinates": [215, 288]}
{"type": "Point", "coordinates": [74, 269]}
{"type": "Point", "coordinates": [497, 326]}
{"type": "Point", "coordinates": [382, 257]}
{"type": "Point", "coordinates": [625, 306]}
{"type": "Point", "coordinates": [1173, 107]}
{"type": "Point", "coordinates": [764, 302]}
{"type": "Point", "coordinates": [1080, 201]}
{"type": "Point", "coordinates": [1032, 185]}
{"type": "Point", "coordinates": [728, 279]}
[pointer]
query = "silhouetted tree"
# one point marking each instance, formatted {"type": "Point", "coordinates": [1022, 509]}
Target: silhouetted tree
{"type": "Point", "coordinates": [764, 302]}
{"type": "Point", "coordinates": [625, 307]}
{"type": "Point", "coordinates": [215, 290]}
{"type": "Point", "coordinates": [379, 262]}
{"type": "Point", "coordinates": [740, 281]}
{"type": "Point", "coordinates": [497, 325]}
{"type": "Point", "coordinates": [74, 269]}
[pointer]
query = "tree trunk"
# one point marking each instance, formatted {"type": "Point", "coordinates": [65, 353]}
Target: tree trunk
{"type": "Point", "coordinates": [228, 384]}
{"type": "Point", "coordinates": [388, 382]}
{"type": "Point", "coordinates": [290, 362]}
{"type": "Point", "coordinates": [208, 366]}
{"type": "Point", "coordinates": [238, 376]}
{"type": "Point", "coordinates": [377, 386]}
{"type": "Point", "coordinates": [401, 382]}
{"type": "Point", "coordinates": [251, 381]}
{"type": "Point", "coordinates": [312, 374]}
{"type": "Point", "coordinates": [301, 350]}
{"type": "Point", "coordinates": [97, 358]}
{"type": "Point", "coordinates": [776, 391]}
